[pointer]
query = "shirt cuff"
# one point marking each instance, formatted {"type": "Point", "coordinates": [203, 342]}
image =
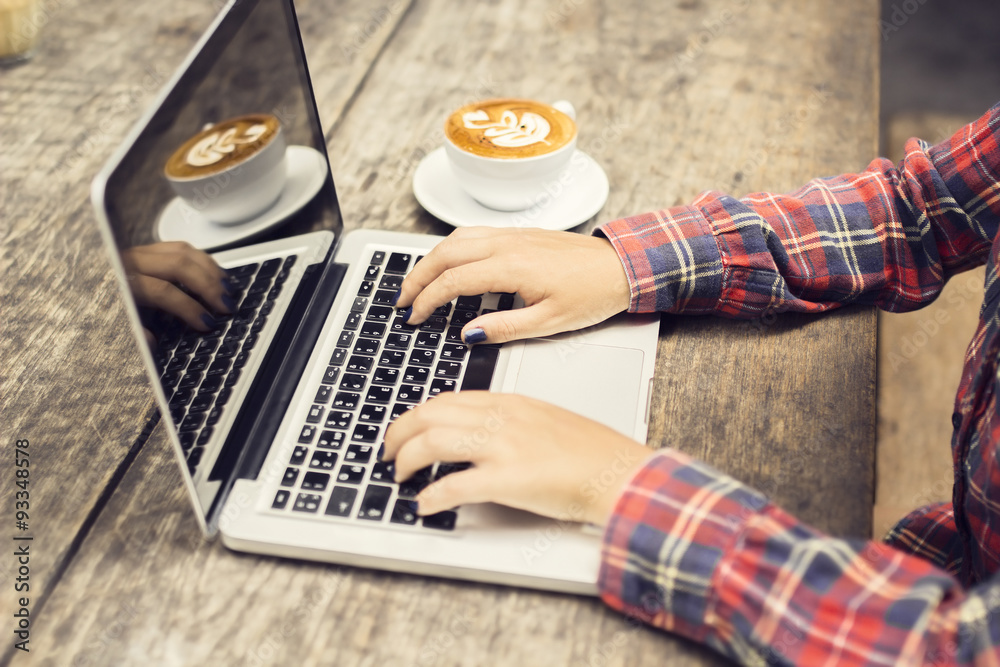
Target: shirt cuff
{"type": "Point", "coordinates": [672, 526]}
{"type": "Point", "coordinates": [671, 258]}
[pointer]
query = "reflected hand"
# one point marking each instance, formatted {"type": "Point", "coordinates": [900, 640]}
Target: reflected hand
{"type": "Point", "coordinates": [567, 281]}
{"type": "Point", "coordinates": [525, 453]}
{"type": "Point", "coordinates": [155, 271]}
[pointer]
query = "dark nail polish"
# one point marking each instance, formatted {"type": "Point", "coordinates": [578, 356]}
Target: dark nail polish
{"type": "Point", "coordinates": [407, 314]}
{"type": "Point", "coordinates": [476, 335]}
{"type": "Point", "coordinates": [380, 453]}
{"type": "Point", "coordinates": [395, 297]}
{"type": "Point", "coordinates": [209, 321]}
{"type": "Point", "coordinates": [229, 303]}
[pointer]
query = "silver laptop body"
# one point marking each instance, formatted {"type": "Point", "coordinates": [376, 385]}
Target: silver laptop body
{"type": "Point", "coordinates": [286, 464]}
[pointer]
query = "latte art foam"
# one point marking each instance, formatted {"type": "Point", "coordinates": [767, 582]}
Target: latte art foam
{"type": "Point", "coordinates": [221, 146]}
{"type": "Point", "coordinates": [509, 128]}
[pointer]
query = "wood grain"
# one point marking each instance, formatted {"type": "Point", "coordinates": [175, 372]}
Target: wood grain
{"type": "Point", "coordinates": [764, 95]}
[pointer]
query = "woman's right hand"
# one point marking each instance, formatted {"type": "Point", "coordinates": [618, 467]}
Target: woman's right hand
{"type": "Point", "coordinates": [567, 281]}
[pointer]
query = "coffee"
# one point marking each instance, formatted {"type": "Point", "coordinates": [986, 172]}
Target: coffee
{"type": "Point", "coordinates": [509, 128]}
{"type": "Point", "coordinates": [222, 146]}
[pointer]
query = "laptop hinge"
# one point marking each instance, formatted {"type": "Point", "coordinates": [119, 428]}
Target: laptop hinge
{"type": "Point", "coordinates": [260, 415]}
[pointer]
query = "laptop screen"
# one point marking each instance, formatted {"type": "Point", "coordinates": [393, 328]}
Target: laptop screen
{"type": "Point", "coordinates": [233, 154]}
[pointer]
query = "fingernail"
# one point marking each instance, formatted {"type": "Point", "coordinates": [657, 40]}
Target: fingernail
{"type": "Point", "coordinates": [229, 303]}
{"type": "Point", "coordinates": [395, 297]}
{"type": "Point", "coordinates": [209, 321]}
{"type": "Point", "coordinates": [407, 314]}
{"type": "Point", "coordinates": [476, 335]}
{"type": "Point", "coordinates": [381, 451]}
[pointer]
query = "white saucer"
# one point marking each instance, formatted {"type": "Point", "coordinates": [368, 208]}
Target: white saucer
{"type": "Point", "coordinates": [307, 171]}
{"type": "Point", "coordinates": [580, 200]}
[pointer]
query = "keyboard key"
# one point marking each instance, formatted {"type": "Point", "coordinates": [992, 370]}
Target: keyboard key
{"type": "Point", "coordinates": [433, 323]}
{"type": "Point", "coordinates": [240, 271]}
{"type": "Point", "coordinates": [358, 453]}
{"type": "Point", "coordinates": [359, 305]}
{"type": "Point", "coordinates": [378, 394]}
{"type": "Point", "coordinates": [469, 302]}
{"type": "Point", "coordinates": [379, 314]}
{"type": "Point", "coordinates": [330, 377]}
{"type": "Point", "coordinates": [443, 311]}
{"type": "Point", "coordinates": [383, 471]}
{"type": "Point", "coordinates": [323, 394]}
{"type": "Point", "coordinates": [398, 263]}
{"type": "Point", "coordinates": [366, 347]}
{"type": "Point", "coordinates": [346, 400]}
{"type": "Point", "coordinates": [352, 382]}
{"type": "Point", "coordinates": [359, 364]}
{"type": "Point", "coordinates": [307, 502]}
{"type": "Point", "coordinates": [201, 403]}
{"type": "Point", "coordinates": [193, 422]}
{"type": "Point", "coordinates": [441, 385]}
{"type": "Point", "coordinates": [346, 338]}
{"type": "Point", "coordinates": [400, 326]}
{"type": "Point", "coordinates": [404, 512]}
{"type": "Point", "coordinates": [410, 393]}
{"type": "Point", "coordinates": [453, 352]}
{"type": "Point", "coordinates": [291, 474]}
{"type": "Point", "coordinates": [213, 416]}
{"type": "Point", "coordinates": [371, 273]}
{"type": "Point", "coordinates": [422, 357]}
{"type": "Point", "coordinates": [339, 355]}
{"type": "Point", "coordinates": [353, 321]}
{"type": "Point", "coordinates": [323, 460]}
{"type": "Point", "coordinates": [299, 455]}
{"type": "Point", "coordinates": [331, 439]}
{"type": "Point", "coordinates": [505, 302]}
{"type": "Point", "coordinates": [315, 481]}
{"type": "Point", "coordinates": [374, 503]}
{"type": "Point", "coordinates": [462, 317]}
{"type": "Point", "coordinates": [223, 396]}
{"type": "Point", "coordinates": [207, 346]}
{"type": "Point", "coordinates": [198, 364]}
{"type": "Point", "coordinates": [338, 419]}
{"type": "Point", "coordinates": [374, 414]}
{"type": "Point", "coordinates": [350, 474]}
{"type": "Point", "coordinates": [269, 268]}
{"type": "Point", "coordinates": [306, 434]}
{"type": "Point", "coordinates": [384, 297]}
{"type": "Point", "coordinates": [365, 433]}
{"type": "Point", "coordinates": [281, 500]}
{"type": "Point", "coordinates": [479, 368]}
{"type": "Point", "coordinates": [231, 379]}
{"type": "Point", "coordinates": [385, 376]}
{"type": "Point", "coordinates": [392, 358]}
{"type": "Point", "coordinates": [341, 501]}
{"type": "Point", "coordinates": [441, 521]}
{"type": "Point", "coordinates": [415, 484]}
{"type": "Point", "coordinates": [398, 341]}
{"type": "Point", "coordinates": [315, 414]}
{"type": "Point", "coordinates": [390, 281]}
{"type": "Point", "coordinates": [378, 257]}
{"type": "Point", "coordinates": [454, 335]}
{"type": "Point", "coordinates": [205, 436]}
{"type": "Point", "coordinates": [366, 289]}
{"type": "Point", "coordinates": [448, 369]}
{"type": "Point", "coordinates": [428, 339]}
{"type": "Point", "coordinates": [416, 375]}
{"type": "Point", "coordinates": [398, 409]}
{"type": "Point", "coordinates": [373, 329]}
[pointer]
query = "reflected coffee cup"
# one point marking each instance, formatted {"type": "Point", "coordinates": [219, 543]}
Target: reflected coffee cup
{"type": "Point", "coordinates": [507, 153]}
{"type": "Point", "coordinates": [231, 171]}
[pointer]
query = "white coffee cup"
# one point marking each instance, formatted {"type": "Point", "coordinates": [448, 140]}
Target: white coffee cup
{"type": "Point", "coordinates": [511, 183]}
{"type": "Point", "coordinates": [241, 191]}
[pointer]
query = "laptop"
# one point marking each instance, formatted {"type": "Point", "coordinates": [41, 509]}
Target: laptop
{"type": "Point", "coordinates": [277, 415]}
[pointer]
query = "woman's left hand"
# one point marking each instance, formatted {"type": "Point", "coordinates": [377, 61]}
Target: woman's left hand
{"type": "Point", "coordinates": [525, 453]}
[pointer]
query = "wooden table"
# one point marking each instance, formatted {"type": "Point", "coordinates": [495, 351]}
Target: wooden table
{"type": "Point", "coordinates": [672, 98]}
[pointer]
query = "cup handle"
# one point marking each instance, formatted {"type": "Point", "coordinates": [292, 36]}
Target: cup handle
{"type": "Point", "coordinates": [566, 107]}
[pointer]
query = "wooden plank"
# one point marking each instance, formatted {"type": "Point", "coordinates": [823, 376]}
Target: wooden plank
{"type": "Point", "coordinates": [71, 381]}
{"type": "Point", "coordinates": [785, 404]}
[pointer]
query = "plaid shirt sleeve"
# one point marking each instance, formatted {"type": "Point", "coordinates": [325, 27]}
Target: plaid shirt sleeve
{"type": "Point", "coordinates": [888, 237]}
{"type": "Point", "coordinates": [691, 550]}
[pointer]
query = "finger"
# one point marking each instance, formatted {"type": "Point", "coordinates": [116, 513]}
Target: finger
{"type": "Point", "coordinates": [150, 338]}
{"type": "Point", "coordinates": [459, 488]}
{"type": "Point", "coordinates": [438, 444]}
{"type": "Point", "coordinates": [184, 264]}
{"type": "Point", "coordinates": [489, 275]}
{"type": "Point", "coordinates": [447, 254]}
{"type": "Point", "coordinates": [503, 326]}
{"type": "Point", "coordinates": [467, 410]}
{"type": "Point", "coordinates": [166, 296]}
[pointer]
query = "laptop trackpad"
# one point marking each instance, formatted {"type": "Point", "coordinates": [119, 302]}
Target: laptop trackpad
{"type": "Point", "coordinates": [598, 381]}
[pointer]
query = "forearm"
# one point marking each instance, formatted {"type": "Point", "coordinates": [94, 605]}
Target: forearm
{"type": "Point", "coordinates": [695, 552]}
{"type": "Point", "coordinates": [889, 236]}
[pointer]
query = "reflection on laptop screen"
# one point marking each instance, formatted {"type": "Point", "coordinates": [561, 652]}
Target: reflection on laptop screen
{"type": "Point", "coordinates": [232, 156]}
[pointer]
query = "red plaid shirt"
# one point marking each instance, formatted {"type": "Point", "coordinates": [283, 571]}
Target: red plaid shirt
{"type": "Point", "coordinates": [696, 552]}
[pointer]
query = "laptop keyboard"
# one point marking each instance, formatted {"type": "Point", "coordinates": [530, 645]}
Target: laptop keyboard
{"type": "Point", "coordinates": [198, 370]}
{"type": "Point", "coordinates": [382, 367]}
